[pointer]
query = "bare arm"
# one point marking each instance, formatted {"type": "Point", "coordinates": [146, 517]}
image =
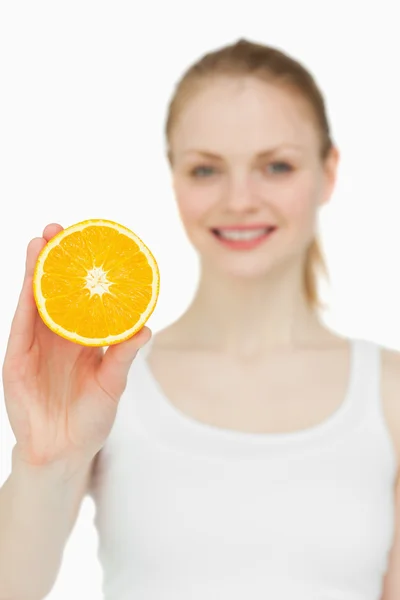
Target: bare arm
{"type": "Point", "coordinates": [61, 399]}
{"type": "Point", "coordinates": [391, 589]}
{"type": "Point", "coordinates": [391, 403]}
{"type": "Point", "coordinates": [38, 509]}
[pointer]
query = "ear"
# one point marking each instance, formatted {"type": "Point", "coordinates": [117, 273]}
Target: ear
{"type": "Point", "coordinates": [330, 174]}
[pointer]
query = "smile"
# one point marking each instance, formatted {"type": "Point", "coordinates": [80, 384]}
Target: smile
{"type": "Point", "coordinates": [243, 239]}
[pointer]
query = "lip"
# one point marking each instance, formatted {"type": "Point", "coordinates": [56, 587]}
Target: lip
{"type": "Point", "coordinates": [245, 227]}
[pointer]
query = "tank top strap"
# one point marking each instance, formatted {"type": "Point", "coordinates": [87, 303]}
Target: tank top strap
{"type": "Point", "coordinates": [366, 377]}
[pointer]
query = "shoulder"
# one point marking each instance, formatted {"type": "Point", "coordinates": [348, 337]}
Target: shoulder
{"type": "Point", "coordinates": [390, 361]}
{"type": "Point", "coordinates": [390, 391]}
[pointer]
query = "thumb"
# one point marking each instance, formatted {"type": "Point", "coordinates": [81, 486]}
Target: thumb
{"type": "Point", "coordinates": [113, 370]}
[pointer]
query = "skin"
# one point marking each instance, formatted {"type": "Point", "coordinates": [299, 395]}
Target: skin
{"type": "Point", "coordinates": [249, 326]}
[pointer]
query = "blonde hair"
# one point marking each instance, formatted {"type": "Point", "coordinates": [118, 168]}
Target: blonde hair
{"type": "Point", "coordinates": [243, 59]}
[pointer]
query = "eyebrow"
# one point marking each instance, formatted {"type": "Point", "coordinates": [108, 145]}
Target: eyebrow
{"type": "Point", "coordinates": [262, 154]}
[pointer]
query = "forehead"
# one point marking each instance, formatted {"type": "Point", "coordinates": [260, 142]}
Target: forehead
{"type": "Point", "coordinates": [239, 116]}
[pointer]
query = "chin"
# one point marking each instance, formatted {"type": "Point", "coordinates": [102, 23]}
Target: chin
{"type": "Point", "coordinates": [240, 267]}
{"type": "Point", "coordinates": [253, 267]}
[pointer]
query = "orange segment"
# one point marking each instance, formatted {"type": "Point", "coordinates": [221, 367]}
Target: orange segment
{"type": "Point", "coordinates": [96, 283]}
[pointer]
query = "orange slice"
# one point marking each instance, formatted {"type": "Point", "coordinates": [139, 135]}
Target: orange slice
{"type": "Point", "coordinates": [96, 283]}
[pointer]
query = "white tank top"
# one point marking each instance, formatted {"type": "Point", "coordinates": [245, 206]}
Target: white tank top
{"type": "Point", "coordinates": [186, 510]}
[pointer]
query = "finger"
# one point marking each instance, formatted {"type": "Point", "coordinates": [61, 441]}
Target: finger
{"type": "Point", "coordinates": [23, 323]}
{"type": "Point", "coordinates": [113, 371]}
{"type": "Point", "coordinates": [51, 230]}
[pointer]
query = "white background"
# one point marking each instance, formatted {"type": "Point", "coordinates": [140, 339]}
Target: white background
{"type": "Point", "coordinates": [84, 88]}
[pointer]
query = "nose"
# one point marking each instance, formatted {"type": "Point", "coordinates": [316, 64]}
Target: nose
{"type": "Point", "coordinates": [241, 194]}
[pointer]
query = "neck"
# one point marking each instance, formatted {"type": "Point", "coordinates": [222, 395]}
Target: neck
{"type": "Point", "coordinates": [249, 316]}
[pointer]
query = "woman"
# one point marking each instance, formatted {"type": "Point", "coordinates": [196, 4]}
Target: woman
{"type": "Point", "coordinates": [253, 454]}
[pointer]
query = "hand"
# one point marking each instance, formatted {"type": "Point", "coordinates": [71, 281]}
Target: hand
{"type": "Point", "coordinates": [61, 397]}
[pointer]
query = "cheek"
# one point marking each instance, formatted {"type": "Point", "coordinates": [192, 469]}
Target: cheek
{"type": "Point", "coordinates": [298, 202]}
{"type": "Point", "coordinates": [195, 204]}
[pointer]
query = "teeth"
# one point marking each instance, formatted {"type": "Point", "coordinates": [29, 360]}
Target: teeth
{"type": "Point", "coordinates": [238, 235]}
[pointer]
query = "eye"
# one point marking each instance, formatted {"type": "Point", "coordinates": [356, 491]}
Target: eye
{"type": "Point", "coordinates": [280, 167]}
{"type": "Point", "coordinates": [202, 171]}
